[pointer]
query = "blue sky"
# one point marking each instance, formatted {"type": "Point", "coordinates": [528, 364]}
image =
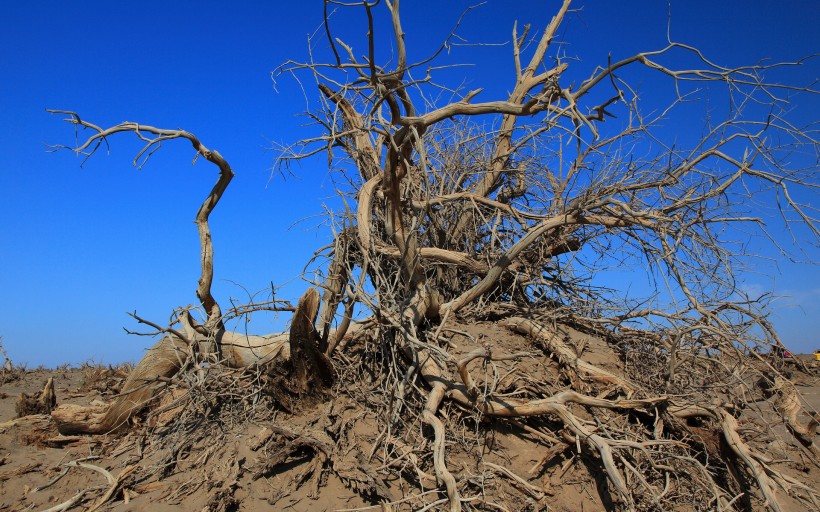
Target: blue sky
{"type": "Point", "coordinates": [79, 247]}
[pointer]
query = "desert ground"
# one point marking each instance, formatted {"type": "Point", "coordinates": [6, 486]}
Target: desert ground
{"type": "Point", "coordinates": [220, 451]}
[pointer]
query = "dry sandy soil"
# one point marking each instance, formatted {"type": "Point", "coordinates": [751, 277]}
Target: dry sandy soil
{"type": "Point", "coordinates": [177, 459]}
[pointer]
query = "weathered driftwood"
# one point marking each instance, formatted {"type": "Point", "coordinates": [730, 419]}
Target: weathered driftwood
{"type": "Point", "coordinates": [312, 370]}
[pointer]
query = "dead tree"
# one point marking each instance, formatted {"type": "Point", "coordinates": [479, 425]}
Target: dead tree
{"type": "Point", "coordinates": [209, 340]}
{"type": "Point", "coordinates": [470, 217]}
{"type": "Point", "coordinates": [454, 220]}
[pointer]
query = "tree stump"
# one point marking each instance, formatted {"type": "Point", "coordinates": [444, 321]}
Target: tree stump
{"type": "Point", "coordinates": [311, 371]}
{"type": "Point", "coordinates": [37, 404]}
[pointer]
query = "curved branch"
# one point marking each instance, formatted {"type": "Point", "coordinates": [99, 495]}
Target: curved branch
{"type": "Point", "coordinates": [506, 259]}
{"type": "Point", "coordinates": [203, 290]}
{"type": "Point", "coordinates": [440, 256]}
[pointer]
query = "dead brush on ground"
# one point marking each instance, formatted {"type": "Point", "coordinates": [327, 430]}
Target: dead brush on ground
{"type": "Point", "coordinates": [191, 423]}
{"type": "Point", "coordinates": [374, 436]}
{"type": "Point", "coordinates": [104, 379]}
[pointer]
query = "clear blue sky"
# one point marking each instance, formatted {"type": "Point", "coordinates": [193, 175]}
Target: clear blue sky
{"type": "Point", "coordinates": [81, 247]}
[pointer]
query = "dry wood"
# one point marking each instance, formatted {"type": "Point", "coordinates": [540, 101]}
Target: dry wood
{"type": "Point", "coordinates": [788, 403]}
{"type": "Point", "coordinates": [741, 449]}
{"type": "Point", "coordinates": [312, 370]}
{"type": "Point", "coordinates": [43, 403]}
{"type": "Point", "coordinates": [144, 132]}
{"type": "Point", "coordinates": [334, 286]}
{"type": "Point", "coordinates": [500, 210]}
{"type": "Point", "coordinates": [164, 359]}
{"type": "Point", "coordinates": [565, 354]}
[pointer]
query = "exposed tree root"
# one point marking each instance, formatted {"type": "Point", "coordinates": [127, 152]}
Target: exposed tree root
{"type": "Point", "coordinates": [788, 404]}
{"type": "Point", "coordinates": [758, 470]}
{"type": "Point", "coordinates": [566, 356]}
{"type": "Point", "coordinates": [439, 462]}
{"type": "Point", "coordinates": [555, 405]}
{"type": "Point", "coordinates": [641, 467]}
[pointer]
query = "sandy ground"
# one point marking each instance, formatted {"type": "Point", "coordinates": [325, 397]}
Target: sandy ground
{"type": "Point", "coordinates": [40, 469]}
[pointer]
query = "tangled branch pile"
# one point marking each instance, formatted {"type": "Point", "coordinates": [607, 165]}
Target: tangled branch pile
{"type": "Point", "coordinates": [474, 237]}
